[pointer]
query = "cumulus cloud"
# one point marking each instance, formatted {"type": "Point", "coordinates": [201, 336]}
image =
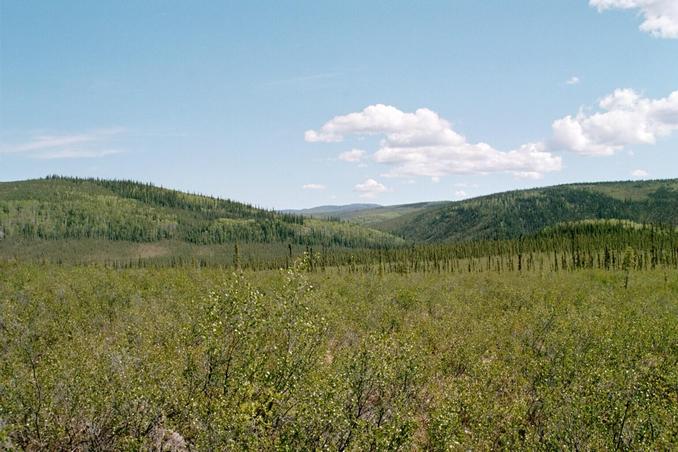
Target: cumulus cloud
{"type": "Point", "coordinates": [79, 145]}
{"type": "Point", "coordinates": [424, 144]}
{"type": "Point", "coordinates": [639, 173]}
{"type": "Point", "coordinates": [626, 118]}
{"type": "Point", "coordinates": [370, 188]}
{"type": "Point", "coordinates": [660, 17]}
{"type": "Point", "coordinates": [313, 187]}
{"type": "Point", "coordinates": [354, 155]}
{"type": "Point", "coordinates": [460, 194]}
{"type": "Point", "coordinates": [572, 80]}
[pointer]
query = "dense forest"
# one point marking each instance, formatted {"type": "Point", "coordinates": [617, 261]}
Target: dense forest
{"type": "Point", "coordinates": [523, 212]}
{"type": "Point", "coordinates": [59, 208]}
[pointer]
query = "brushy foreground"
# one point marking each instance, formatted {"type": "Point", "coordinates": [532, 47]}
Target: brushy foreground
{"type": "Point", "coordinates": [202, 359]}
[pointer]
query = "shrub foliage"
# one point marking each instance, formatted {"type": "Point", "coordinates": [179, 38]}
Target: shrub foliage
{"type": "Point", "coordinates": [206, 359]}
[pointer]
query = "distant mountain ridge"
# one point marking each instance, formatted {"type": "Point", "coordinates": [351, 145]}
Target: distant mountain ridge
{"type": "Point", "coordinates": [331, 209]}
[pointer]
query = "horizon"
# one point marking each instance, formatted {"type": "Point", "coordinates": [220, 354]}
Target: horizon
{"type": "Point", "coordinates": [375, 205]}
{"type": "Point", "coordinates": [399, 104]}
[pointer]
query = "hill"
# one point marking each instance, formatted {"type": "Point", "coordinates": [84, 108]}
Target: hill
{"type": "Point", "coordinates": [524, 212]}
{"type": "Point", "coordinates": [57, 213]}
{"type": "Point", "coordinates": [331, 210]}
{"type": "Point", "coordinates": [365, 214]}
{"type": "Point", "coordinates": [378, 215]}
{"type": "Point", "coordinates": [99, 220]}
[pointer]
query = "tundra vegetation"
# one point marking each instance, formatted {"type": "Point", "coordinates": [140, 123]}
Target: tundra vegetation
{"type": "Point", "coordinates": [566, 338]}
{"type": "Point", "coordinates": [95, 358]}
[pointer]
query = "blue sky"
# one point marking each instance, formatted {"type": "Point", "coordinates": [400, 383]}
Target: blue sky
{"type": "Point", "coordinates": [256, 101]}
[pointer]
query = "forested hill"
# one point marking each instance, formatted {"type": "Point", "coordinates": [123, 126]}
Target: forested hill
{"type": "Point", "coordinates": [524, 212]}
{"type": "Point", "coordinates": [58, 208]}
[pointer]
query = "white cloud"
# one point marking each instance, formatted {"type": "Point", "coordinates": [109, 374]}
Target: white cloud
{"type": "Point", "coordinates": [354, 155]}
{"type": "Point", "coordinates": [424, 144]}
{"type": "Point", "coordinates": [75, 154]}
{"type": "Point", "coordinates": [528, 175]}
{"type": "Point", "coordinates": [51, 141]}
{"type": "Point", "coordinates": [574, 80]}
{"type": "Point", "coordinates": [626, 119]}
{"type": "Point", "coordinates": [460, 194]}
{"type": "Point", "coordinates": [466, 185]}
{"type": "Point", "coordinates": [47, 147]}
{"type": "Point", "coordinates": [313, 187]}
{"type": "Point", "coordinates": [370, 188]}
{"type": "Point", "coordinates": [660, 16]}
{"type": "Point", "coordinates": [640, 173]}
